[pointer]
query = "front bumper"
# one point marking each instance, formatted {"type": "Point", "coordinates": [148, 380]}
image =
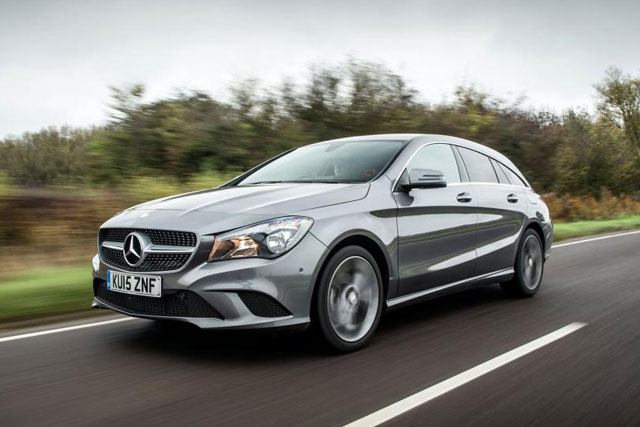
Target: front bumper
{"type": "Point", "coordinates": [244, 293]}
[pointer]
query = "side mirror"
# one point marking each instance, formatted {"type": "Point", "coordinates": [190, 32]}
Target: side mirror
{"type": "Point", "coordinates": [422, 178]}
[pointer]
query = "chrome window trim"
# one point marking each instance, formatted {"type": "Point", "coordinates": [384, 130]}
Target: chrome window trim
{"type": "Point", "coordinates": [485, 183]}
{"type": "Point", "coordinates": [404, 168]}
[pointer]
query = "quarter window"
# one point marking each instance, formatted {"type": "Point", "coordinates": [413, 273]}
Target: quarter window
{"type": "Point", "coordinates": [478, 165]}
{"type": "Point", "coordinates": [502, 176]}
{"type": "Point", "coordinates": [513, 178]}
{"type": "Point", "coordinates": [438, 157]}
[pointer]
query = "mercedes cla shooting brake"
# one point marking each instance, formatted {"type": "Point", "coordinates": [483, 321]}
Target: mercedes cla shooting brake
{"type": "Point", "coordinates": [329, 234]}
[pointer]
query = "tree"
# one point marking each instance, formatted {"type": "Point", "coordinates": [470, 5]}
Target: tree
{"type": "Point", "coordinates": [619, 101]}
{"type": "Point", "coordinates": [50, 156]}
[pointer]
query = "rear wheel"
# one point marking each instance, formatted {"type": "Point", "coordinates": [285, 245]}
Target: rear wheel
{"type": "Point", "coordinates": [349, 299]}
{"type": "Point", "coordinates": [528, 268]}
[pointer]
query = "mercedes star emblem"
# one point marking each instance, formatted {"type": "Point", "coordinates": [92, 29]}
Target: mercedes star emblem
{"type": "Point", "coordinates": [132, 249]}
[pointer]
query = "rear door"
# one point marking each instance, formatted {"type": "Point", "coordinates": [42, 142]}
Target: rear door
{"type": "Point", "coordinates": [501, 212]}
{"type": "Point", "coordinates": [436, 226]}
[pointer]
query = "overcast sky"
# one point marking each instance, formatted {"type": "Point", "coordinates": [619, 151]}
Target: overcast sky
{"type": "Point", "coordinates": [58, 58]}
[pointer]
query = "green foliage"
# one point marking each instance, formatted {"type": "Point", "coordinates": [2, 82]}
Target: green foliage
{"type": "Point", "coordinates": [48, 156]}
{"type": "Point", "coordinates": [172, 140]}
{"type": "Point", "coordinates": [5, 186]}
{"type": "Point", "coordinates": [593, 156]}
{"type": "Point", "coordinates": [619, 101]}
{"type": "Point", "coordinates": [45, 291]}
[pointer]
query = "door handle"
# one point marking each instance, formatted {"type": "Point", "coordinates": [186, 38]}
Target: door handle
{"type": "Point", "coordinates": [512, 198]}
{"type": "Point", "coordinates": [463, 197]}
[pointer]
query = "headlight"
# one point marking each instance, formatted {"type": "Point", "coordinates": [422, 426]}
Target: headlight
{"type": "Point", "coordinates": [265, 240]}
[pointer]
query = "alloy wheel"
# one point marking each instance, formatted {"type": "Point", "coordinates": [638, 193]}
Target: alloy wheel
{"type": "Point", "coordinates": [531, 263]}
{"type": "Point", "coordinates": [353, 298]}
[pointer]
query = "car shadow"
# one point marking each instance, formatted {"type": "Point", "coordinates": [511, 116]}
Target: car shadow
{"type": "Point", "coordinates": [246, 346]}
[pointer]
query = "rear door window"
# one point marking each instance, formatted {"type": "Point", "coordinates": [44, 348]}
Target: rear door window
{"type": "Point", "coordinates": [478, 165]}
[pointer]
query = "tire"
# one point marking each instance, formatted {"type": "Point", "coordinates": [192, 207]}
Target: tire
{"type": "Point", "coordinates": [529, 267]}
{"type": "Point", "coordinates": [347, 308]}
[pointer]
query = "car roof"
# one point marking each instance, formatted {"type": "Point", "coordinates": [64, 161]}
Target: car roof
{"type": "Point", "coordinates": [379, 137]}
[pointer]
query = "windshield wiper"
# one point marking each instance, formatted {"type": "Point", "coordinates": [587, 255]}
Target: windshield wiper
{"type": "Point", "coordinates": [300, 181]}
{"type": "Point", "coordinates": [319, 181]}
{"type": "Point", "coordinates": [264, 182]}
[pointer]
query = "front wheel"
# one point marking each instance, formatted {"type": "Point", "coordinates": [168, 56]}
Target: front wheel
{"type": "Point", "coordinates": [528, 268]}
{"type": "Point", "coordinates": [349, 299]}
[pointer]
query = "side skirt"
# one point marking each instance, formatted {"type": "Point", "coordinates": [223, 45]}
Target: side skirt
{"type": "Point", "coordinates": [495, 276]}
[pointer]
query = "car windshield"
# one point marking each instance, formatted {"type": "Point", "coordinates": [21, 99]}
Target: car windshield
{"type": "Point", "coordinates": [346, 161]}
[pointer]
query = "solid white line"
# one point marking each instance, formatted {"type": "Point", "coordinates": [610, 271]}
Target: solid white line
{"type": "Point", "coordinates": [68, 328]}
{"type": "Point", "coordinates": [424, 396]}
{"type": "Point", "coordinates": [593, 239]}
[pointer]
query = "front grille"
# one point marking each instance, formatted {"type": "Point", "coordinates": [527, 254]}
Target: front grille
{"type": "Point", "coordinates": [173, 303]}
{"type": "Point", "coordinates": [152, 262]}
{"type": "Point", "coordinates": [263, 305]}
{"type": "Point", "coordinates": [165, 261]}
{"type": "Point", "coordinates": [157, 237]}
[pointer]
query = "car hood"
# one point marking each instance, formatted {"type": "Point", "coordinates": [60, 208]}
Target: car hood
{"type": "Point", "coordinates": [216, 210]}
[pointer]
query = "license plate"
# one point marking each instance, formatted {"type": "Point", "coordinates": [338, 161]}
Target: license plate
{"type": "Point", "coordinates": [134, 284]}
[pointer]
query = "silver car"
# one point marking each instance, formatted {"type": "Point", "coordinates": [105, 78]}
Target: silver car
{"type": "Point", "coordinates": [329, 234]}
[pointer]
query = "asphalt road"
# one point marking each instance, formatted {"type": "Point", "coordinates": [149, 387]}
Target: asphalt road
{"type": "Point", "coordinates": [136, 373]}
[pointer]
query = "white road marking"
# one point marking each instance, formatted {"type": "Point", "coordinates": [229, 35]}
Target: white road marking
{"type": "Point", "coordinates": [58, 330]}
{"type": "Point", "coordinates": [430, 393]}
{"type": "Point", "coordinates": [593, 239]}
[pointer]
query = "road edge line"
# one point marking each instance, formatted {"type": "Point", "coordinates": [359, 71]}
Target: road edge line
{"type": "Point", "coordinates": [593, 239]}
{"type": "Point", "coordinates": [65, 329]}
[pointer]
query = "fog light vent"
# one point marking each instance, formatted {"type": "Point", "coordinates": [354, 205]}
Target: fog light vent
{"type": "Point", "coordinates": [263, 305]}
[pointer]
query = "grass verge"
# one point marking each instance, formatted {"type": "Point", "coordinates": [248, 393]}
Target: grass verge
{"type": "Point", "coordinates": [52, 291]}
{"type": "Point", "coordinates": [46, 291]}
{"type": "Point", "coordinates": [562, 231]}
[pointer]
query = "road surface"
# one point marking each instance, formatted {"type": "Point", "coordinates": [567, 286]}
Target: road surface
{"type": "Point", "coordinates": [136, 373]}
